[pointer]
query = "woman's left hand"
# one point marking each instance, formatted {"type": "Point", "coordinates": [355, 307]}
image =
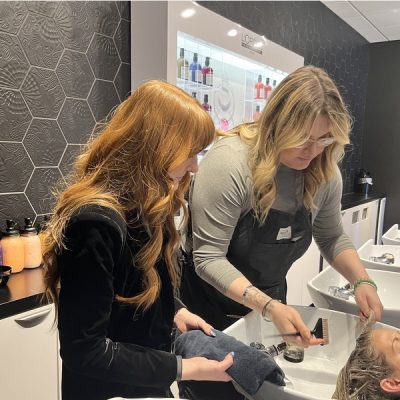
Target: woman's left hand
{"type": "Point", "coordinates": [185, 321]}
{"type": "Point", "coordinates": [367, 299]}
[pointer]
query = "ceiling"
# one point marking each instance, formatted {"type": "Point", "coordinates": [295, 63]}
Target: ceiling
{"type": "Point", "coordinates": [377, 21]}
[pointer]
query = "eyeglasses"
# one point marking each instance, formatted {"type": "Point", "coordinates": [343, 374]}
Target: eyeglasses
{"type": "Point", "coordinates": [323, 142]}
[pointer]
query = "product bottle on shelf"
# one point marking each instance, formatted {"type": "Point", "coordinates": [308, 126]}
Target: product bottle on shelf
{"type": "Point", "coordinates": [267, 89]}
{"type": "Point", "coordinates": [257, 114]}
{"type": "Point", "coordinates": [208, 73]}
{"type": "Point", "coordinates": [274, 84]}
{"type": "Point", "coordinates": [205, 104]}
{"type": "Point", "coordinates": [32, 245]}
{"type": "Point", "coordinates": [195, 70]}
{"type": "Point", "coordinates": [259, 88]}
{"type": "Point", "coordinates": [194, 95]}
{"type": "Point", "coordinates": [224, 124]}
{"type": "Point", "coordinates": [13, 247]}
{"type": "Point", "coordinates": [183, 65]}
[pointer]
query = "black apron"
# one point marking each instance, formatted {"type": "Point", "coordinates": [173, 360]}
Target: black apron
{"type": "Point", "coordinates": [263, 254]}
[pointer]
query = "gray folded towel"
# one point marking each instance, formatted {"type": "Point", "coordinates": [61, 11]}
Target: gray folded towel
{"type": "Point", "coordinates": [250, 368]}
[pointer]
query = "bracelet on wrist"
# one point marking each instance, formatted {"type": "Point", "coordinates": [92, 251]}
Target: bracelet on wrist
{"type": "Point", "coordinates": [264, 312]}
{"type": "Point", "coordinates": [362, 281]}
{"type": "Point", "coordinates": [245, 293]}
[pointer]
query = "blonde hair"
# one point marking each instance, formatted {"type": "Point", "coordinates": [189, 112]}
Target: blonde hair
{"type": "Point", "coordinates": [360, 378]}
{"type": "Point", "coordinates": [285, 123]}
{"type": "Point", "coordinates": [126, 168]}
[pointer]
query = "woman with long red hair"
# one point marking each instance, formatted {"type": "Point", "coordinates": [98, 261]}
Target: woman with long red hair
{"type": "Point", "coordinates": [110, 245]}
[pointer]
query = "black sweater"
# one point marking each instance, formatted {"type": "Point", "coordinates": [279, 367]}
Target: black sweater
{"type": "Point", "coordinates": [110, 349]}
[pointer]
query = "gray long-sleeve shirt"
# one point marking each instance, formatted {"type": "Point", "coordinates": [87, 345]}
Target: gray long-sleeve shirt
{"type": "Point", "coordinates": [221, 196]}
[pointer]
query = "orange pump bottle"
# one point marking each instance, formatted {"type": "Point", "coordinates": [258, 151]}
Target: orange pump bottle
{"type": "Point", "coordinates": [13, 248]}
{"type": "Point", "coordinates": [32, 246]}
{"type": "Point", "coordinates": [259, 89]}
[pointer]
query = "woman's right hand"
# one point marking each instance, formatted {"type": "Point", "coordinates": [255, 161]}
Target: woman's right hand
{"type": "Point", "coordinates": [287, 320]}
{"type": "Point", "coordinates": [203, 369]}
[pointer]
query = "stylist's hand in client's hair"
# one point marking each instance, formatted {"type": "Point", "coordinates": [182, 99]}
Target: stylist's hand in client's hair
{"type": "Point", "coordinates": [367, 299]}
{"type": "Point", "coordinates": [288, 320]}
{"type": "Point", "coordinates": [203, 369]}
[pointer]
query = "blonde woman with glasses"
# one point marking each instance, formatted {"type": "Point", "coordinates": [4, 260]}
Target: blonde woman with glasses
{"type": "Point", "coordinates": [110, 246]}
{"type": "Point", "coordinates": [260, 194]}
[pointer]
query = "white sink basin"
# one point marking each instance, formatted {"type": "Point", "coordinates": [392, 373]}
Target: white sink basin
{"type": "Point", "coordinates": [368, 249]}
{"type": "Point", "coordinates": [315, 377]}
{"type": "Point", "coordinates": [388, 289]}
{"type": "Point", "coordinates": [392, 236]}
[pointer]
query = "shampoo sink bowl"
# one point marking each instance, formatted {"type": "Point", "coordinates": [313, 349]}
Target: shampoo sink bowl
{"type": "Point", "coordinates": [392, 236]}
{"type": "Point", "coordinates": [388, 289]}
{"type": "Point", "coordinates": [315, 377]}
{"type": "Point", "coordinates": [368, 249]}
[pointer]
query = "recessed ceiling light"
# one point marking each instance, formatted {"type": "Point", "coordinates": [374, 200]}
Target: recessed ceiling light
{"type": "Point", "coordinates": [232, 32]}
{"type": "Point", "coordinates": [189, 12]}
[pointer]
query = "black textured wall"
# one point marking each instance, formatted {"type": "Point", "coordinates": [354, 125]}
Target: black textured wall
{"type": "Point", "coordinates": [63, 67]}
{"type": "Point", "coordinates": [313, 31]}
{"type": "Point", "coordinates": [382, 131]}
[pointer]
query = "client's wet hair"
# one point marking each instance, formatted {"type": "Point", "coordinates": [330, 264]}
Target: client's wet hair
{"type": "Point", "coordinates": [360, 378]}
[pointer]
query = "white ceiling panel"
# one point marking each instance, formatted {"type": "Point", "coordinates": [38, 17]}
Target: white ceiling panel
{"type": "Point", "coordinates": [366, 30]}
{"type": "Point", "coordinates": [383, 19]}
{"type": "Point", "coordinates": [342, 8]}
{"type": "Point", "coordinates": [373, 6]}
{"type": "Point", "coordinates": [377, 21]}
{"type": "Point", "coordinates": [392, 33]}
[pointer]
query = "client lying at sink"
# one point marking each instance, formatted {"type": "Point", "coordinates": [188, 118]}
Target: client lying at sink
{"type": "Point", "coordinates": [372, 371]}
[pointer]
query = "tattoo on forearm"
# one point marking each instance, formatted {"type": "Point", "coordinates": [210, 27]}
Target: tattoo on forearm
{"type": "Point", "coordinates": [255, 299]}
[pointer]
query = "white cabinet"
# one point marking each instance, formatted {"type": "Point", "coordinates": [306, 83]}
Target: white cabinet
{"type": "Point", "coordinates": [360, 222]}
{"type": "Point", "coordinates": [28, 360]}
{"type": "Point", "coordinates": [303, 270]}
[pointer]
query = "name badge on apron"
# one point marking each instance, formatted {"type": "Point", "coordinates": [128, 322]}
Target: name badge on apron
{"type": "Point", "coordinates": [284, 233]}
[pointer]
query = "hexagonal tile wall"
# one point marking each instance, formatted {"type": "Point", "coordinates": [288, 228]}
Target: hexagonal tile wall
{"type": "Point", "coordinates": [43, 93]}
{"type": "Point", "coordinates": [50, 99]}
{"type": "Point", "coordinates": [102, 99]}
{"type": "Point", "coordinates": [44, 142]}
{"type": "Point", "coordinates": [39, 188]}
{"type": "Point", "coordinates": [122, 41]}
{"type": "Point", "coordinates": [123, 76]}
{"type": "Point", "coordinates": [15, 206]}
{"type": "Point", "coordinates": [103, 16]}
{"type": "Point", "coordinates": [105, 47]}
{"type": "Point", "coordinates": [42, 7]}
{"type": "Point", "coordinates": [15, 166]}
{"type": "Point", "coordinates": [71, 18]}
{"type": "Point", "coordinates": [75, 74]}
{"type": "Point", "coordinates": [41, 41]}
{"type": "Point", "coordinates": [76, 121]}
{"type": "Point", "coordinates": [14, 116]}
{"type": "Point", "coordinates": [70, 154]}
{"type": "Point", "coordinates": [124, 10]}
{"type": "Point", "coordinates": [13, 63]}
{"type": "Point", "coordinates": [12, 16]}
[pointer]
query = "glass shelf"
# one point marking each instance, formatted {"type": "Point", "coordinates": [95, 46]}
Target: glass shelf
{"type": "Point", "coordinates": [256, 101]}
{"type": "Point", "coordinates": [189, 85]}
{"type": "Point", "coordinates": [232, 97]}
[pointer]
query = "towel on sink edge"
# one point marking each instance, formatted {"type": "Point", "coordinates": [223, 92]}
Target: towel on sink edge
{"type": "Point", "coordinates": [251, 367]}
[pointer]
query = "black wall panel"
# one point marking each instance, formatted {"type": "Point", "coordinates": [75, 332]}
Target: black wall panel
{"type": "Point", "coordinates": [381, 150]}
